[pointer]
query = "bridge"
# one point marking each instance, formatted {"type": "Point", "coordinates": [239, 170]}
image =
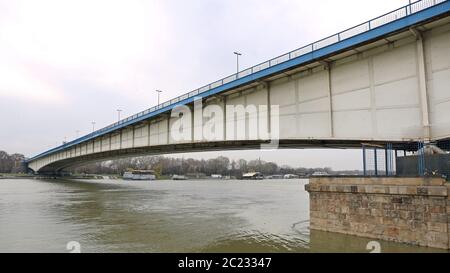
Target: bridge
{"type": "Point", "coordinates": [383, 81]}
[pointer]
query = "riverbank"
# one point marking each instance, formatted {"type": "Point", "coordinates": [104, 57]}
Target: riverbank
{"type": "Point", "coordinates": [14, 176]}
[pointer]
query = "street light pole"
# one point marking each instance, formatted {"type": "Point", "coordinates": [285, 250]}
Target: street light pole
{"type": "Point", "coordinates": [93, 126]}
{"type": "Point", "coordinates": [237, 61]}
{"type": "Point", "coordinates": [118, 114]}
{"type": "Point", "coordinates": [159, 91]}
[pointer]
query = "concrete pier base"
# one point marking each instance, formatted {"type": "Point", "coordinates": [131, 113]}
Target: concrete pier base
{"type": "Point", "coordinates": [406, 210]}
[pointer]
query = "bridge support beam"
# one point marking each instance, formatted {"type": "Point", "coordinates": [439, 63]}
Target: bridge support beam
{"type": "Point", "coordinates": [224, 119]}
{"type": "Point", "coordinates": [422, 83]}
{"type": "Point", "coordinates": [120, 139]}
{"type": "Point", "coordinates": [149, 124]}
{"type": "Point", "coordinates": [269, 112]}
{"type": "Point", "coordinates": [413, 210]}
{"type": "Point", "coordinates": [327, 66]}
{"type": "Point", "coordinates": [168, 129]}
{"type": "Point", "coordinates": [133, 134]}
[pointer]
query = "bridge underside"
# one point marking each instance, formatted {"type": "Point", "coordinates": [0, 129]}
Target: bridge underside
{"type": "Point", "coordinates": [59, 166]}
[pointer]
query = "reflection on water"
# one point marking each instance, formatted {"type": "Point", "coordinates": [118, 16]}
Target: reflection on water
{"type": "Point", "coordinates": [165, 216]}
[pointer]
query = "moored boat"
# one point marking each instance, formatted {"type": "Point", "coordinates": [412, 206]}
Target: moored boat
{"type": "Point", "coordinates": [253, 176]}
{"type": "Point", "coordinates": [179, 177]}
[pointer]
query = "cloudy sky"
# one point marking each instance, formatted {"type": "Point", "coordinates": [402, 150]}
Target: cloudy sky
{"type": "Point", "coordinates": [64, 63]}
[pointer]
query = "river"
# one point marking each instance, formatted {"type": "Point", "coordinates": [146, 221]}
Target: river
{"type": "Point", "coordinates": [165, 216]}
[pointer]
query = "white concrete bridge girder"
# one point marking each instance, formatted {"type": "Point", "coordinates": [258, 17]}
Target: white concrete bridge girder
{"type": "Point", "coordinates": [390, 92]}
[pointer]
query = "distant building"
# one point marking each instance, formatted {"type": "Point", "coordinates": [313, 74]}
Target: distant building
{"type": "Point", "coordinates": [320, 174]}
{"type": "Point", "coordinates": [196, 175]}
{"type": "Point", "coordinates": [139, 175]}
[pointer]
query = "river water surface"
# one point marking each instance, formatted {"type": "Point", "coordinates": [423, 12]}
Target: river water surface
{"type": "Point", "coordinates": [165, 216]}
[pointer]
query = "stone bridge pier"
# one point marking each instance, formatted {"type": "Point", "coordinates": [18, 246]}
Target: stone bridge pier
{"type": "Point", "coordinates": [413, 210]}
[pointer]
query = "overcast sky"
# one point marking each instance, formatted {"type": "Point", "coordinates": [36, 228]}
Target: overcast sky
{"type": "Point", "coordinates": [64, 64]}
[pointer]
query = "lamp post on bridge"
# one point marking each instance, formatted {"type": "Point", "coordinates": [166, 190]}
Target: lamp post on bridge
{"type": "Point", "coordinates": [118, 114]}
{"type": "Point", "coordinates": [93, 126]}
{"type": "Point", "coordinates": [237, 61]}
{"type": "Point", "coordinates": [159, 92]}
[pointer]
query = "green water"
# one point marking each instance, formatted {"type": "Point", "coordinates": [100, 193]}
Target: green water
{"type": "Point", "coordinates": [165, 216]}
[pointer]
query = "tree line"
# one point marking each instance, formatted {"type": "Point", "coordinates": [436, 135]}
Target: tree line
{"type": "Point", "coordinates": [11, 163]}
{"type": "Point", "coordinates": [219, 165]}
